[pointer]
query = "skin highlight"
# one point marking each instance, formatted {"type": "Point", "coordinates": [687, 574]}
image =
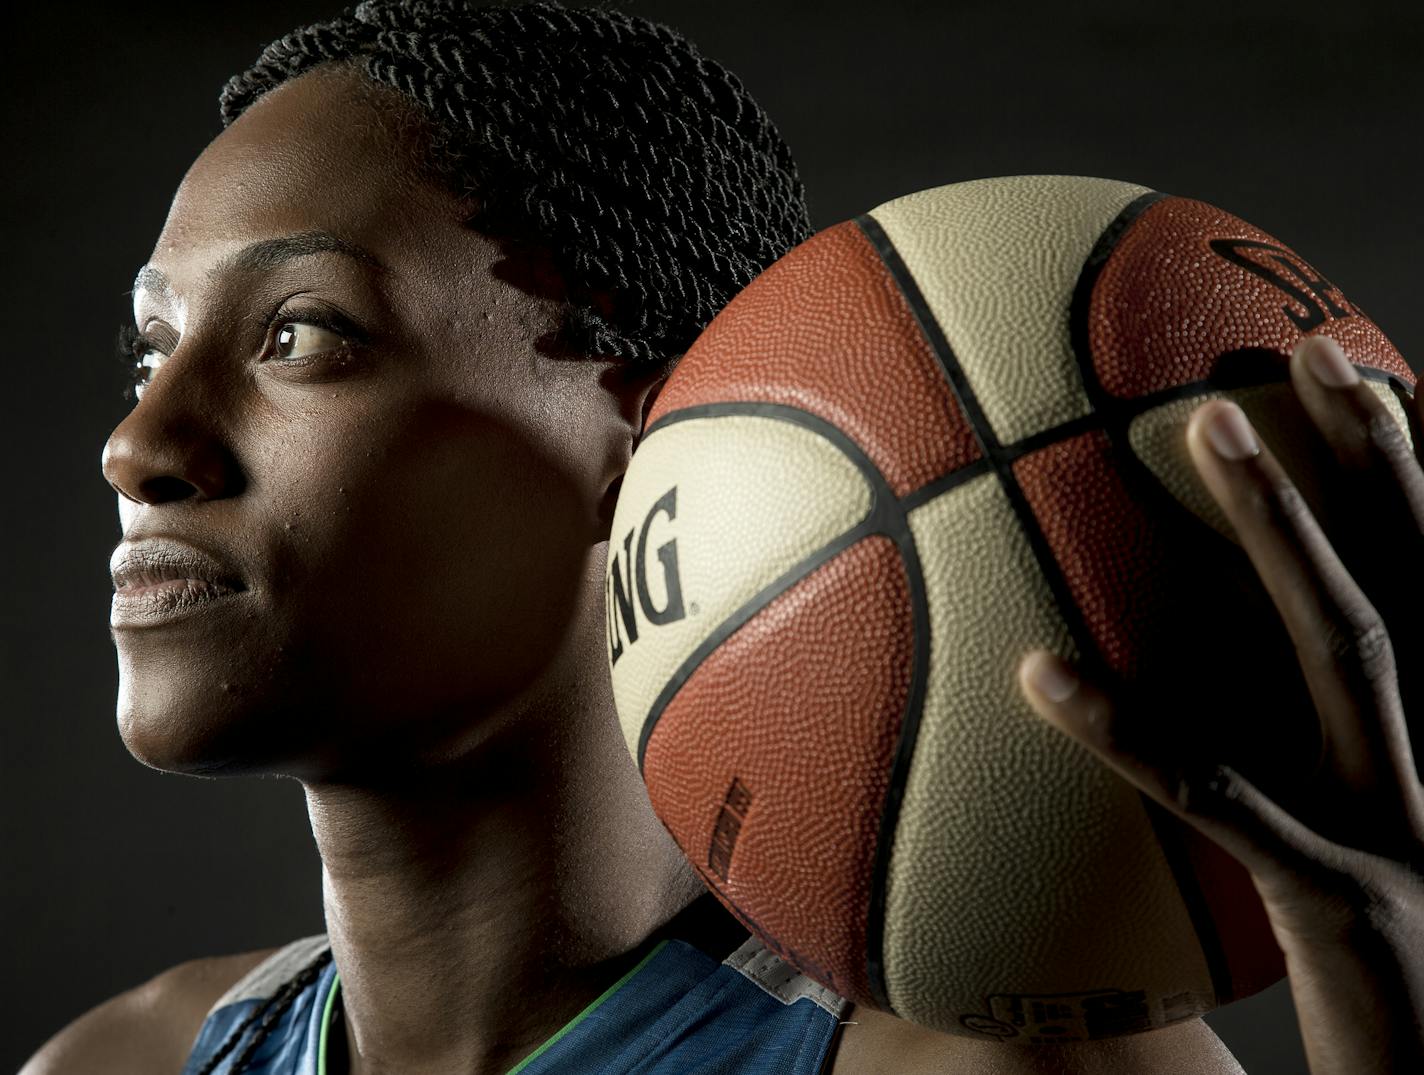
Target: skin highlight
{"type": "Point", "coordinates": [417, 504]}
{"type": "Point", "coordinates": [416, 516]}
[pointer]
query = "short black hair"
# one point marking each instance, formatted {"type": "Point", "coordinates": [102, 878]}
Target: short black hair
{"type": "Point", "coordinates": [645, 169]}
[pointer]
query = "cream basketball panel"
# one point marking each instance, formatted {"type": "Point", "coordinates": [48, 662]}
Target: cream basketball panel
{"type": "Point", "coordinates": [997, 261]}
{"type": "Point", "coordinates": [1159, 439]}
{"type": "Point", "coordinates": [720, 507]}
{"type": "Point", "coordinates": [1006, 824]}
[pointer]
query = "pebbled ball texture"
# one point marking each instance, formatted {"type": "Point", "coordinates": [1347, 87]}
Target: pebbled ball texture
{"type": "Point", "coordinates": [921, 444]}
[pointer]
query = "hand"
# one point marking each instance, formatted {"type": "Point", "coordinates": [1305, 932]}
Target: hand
{"type": "Point", "coordinates": [1339, 867]}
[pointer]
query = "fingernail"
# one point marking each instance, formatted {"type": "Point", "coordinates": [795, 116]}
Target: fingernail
{"type": "Point", "coordinates": [1328, 364]}
{"type": "Point", "coordinates": [1230, 433]}
{"type": "Point", "coordinates": [1050, 677]}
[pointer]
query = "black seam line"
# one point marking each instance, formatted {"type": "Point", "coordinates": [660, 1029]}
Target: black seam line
{"type": "Point", "coordinates": [886, 517]}
{"type": "Point", "coordinates": [1113, 233]}
{"type": "Point", "coordinates": [1092, 661]}
{"type": "Point", "coordinates": [1402, 392]}
{"type": "Point", "coordinates": [1080, 304]}
{"type": "Point", "coordinates": [729, 626]}
{"type": "Point", "coordinates": [1124, 410]}
{"type": "Point", "coordinates": [1117, 414]}
{"type": "Point", "coordinates": [931, 331]}
{"type": "Point", "coordinates": [1143, 484]}
{"type": "Point", "coordinates": [943, 484]}
{"type": "Point", "coordinates": [998, 456]}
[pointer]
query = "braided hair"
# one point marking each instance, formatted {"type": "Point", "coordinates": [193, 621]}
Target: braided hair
{"type": "Point", "coordinates": [658, 185]}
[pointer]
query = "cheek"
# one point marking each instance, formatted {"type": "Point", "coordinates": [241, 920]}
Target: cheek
{"type": "Point", "coordinates": [444, 563]}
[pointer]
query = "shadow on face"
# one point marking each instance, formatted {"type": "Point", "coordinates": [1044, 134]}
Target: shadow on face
{"type": "Point", "coordinates": [346, 412]}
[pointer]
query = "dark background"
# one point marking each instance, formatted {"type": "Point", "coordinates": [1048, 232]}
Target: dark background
{"type": "Point", "coordinates": [1303, 118]}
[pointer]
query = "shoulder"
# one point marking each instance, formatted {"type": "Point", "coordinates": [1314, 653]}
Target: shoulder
{"type": "Point", "coordinates": [870, 1039]}
{"type": "Point", "coordinates": [149, 1028]}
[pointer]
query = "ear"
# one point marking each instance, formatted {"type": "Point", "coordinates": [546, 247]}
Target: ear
{"type": "Point", "coordinates": [650, 394]}
{"type": "Point", "coordinates": [637, 388]}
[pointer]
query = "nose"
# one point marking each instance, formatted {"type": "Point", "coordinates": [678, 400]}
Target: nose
{"type": "Point", "coordinates": [170, 447]}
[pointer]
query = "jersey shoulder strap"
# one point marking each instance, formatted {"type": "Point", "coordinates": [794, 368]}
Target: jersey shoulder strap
{"type": "Point", "coordinates": [289, 1040]}
{"type": "Point", "coordinates": [273, 972]}
{"type": "Point", "coordinates": [761, 966]}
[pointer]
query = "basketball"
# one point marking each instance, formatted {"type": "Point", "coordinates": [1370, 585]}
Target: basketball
{"type": "Point", "coordinates": [922, 443]}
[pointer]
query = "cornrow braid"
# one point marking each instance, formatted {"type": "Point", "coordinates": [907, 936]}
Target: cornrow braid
{"type": "Point", "coordinates": [645, 168]}
{"type": "Point", "coordinates": [269, 1011]}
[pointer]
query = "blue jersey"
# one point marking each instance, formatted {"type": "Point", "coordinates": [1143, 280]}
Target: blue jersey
{"type": "Point", "coordinates": [678, 1012]}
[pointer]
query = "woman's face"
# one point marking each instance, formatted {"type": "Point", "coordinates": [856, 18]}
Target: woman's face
{"type": "Point", "coordinates": [346, 411]}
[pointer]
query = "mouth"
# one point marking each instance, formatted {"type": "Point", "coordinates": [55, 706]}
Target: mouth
{"type": "Point", "coordinates": [157, 580]}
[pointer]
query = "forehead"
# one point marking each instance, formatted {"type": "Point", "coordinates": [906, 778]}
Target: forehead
{"type": "Point", "coordinates": [326, 152]}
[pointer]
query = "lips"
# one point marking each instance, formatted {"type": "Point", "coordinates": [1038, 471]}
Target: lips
{"type": "Point", "coordinates": [157, 579]}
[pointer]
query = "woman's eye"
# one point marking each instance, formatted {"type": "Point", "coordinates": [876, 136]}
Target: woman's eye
{"type": "Point", "coordinates": [145, 365]}
{"type": "Point", "coordinates": [141, 358]}
{"type": "Point", "coordinates": [298, 339]}
{"type": "Point", "coordinates": [149, 361]}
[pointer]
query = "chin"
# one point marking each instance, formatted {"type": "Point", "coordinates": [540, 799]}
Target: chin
{"type": "Point", "coordinates": [198, 730]}
{"type": "Point", "coordinates": [173, 744]}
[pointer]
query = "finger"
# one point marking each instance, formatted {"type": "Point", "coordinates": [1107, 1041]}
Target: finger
{"type": "Point", "coordinates": [1378, 479]}
{"type": "Point", "coordinates": [1344, 650]}
{"type": "Point", "coordinates": [1380, 474]}
{"type": "Point", "coordinates": [1368, 442]}
{"type": "Point", "coordinates": [1214, 799]}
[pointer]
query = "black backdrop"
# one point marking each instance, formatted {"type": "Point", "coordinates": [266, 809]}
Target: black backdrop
{"type": "Point", "coordinates": [1301, 117]}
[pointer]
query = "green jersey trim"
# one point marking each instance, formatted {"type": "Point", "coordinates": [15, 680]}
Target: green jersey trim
{"type": "Point", "coordinates": [579, 1018]}
{"type": "Point", "coordinates": [326, 1025]}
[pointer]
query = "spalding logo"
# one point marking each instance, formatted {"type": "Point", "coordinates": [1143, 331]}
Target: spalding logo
{"type": "Point", "coordinates": [627, 571]}
{"type": "Point", "coordinates": [1316, 296]}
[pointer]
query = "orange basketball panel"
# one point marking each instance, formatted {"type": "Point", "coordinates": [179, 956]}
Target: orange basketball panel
{"type": "Point", "coordinates": [1135, 562]}
{"type": "Point", "coordinates": [1189, 287]}
{"type": "Point", "coordinates": [827, 330]}
{"type": "Point", "coordinates": [769, 766]}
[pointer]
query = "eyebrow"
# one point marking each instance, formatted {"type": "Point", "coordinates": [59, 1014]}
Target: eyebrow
{"type": "Point", "coordinates": [269, 253]}
{"type": "Point", "coordinates": [264, 255]}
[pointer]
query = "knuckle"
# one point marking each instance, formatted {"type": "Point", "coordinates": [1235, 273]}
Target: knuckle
{"type": "Point", "coordinates": [1360, 641]}
{"type": "Point", "coordinates": [1391, 901]}
{"type": "Point", "coordinates": [1281, 503]}
{"type": "Point", "coordinates": [1202, 790]}
{"type": "Point", "coordinates": [1321, 902]}
{"type": "Point", "coordinates": [1386, 438]}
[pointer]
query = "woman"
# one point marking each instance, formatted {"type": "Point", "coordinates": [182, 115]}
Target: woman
{"type": "Point", "coordinates": [397, 340]}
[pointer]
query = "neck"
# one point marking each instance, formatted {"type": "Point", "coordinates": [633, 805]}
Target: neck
{"type": "Point", "coordinates": [475, 909]}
